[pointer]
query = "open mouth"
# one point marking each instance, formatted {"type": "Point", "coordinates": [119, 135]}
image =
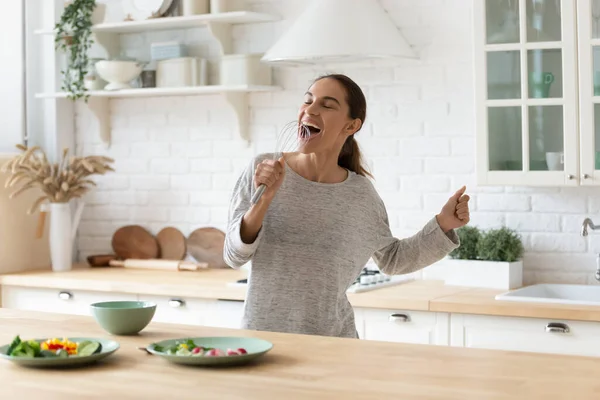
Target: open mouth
{"type": "Point", "coordinates": [309, 130]}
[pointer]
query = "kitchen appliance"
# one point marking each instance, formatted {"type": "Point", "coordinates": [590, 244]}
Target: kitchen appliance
{"type": "Point", "coordinates": [368, 280]}
{"type": "Point", "coordinates": [332, 31]}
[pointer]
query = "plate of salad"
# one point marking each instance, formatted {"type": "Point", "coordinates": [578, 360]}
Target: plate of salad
{"type": "Point", "coordinates": [211, 351]}
{"type": "Point", "coordinates": [55, 352]}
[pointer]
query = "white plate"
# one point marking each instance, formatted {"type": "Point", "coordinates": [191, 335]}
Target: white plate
{"type": "Point", "coordinates": [140, 10]}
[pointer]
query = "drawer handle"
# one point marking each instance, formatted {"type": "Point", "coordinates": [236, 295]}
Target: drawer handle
{"type": "Point", "coordinates": [399, 318]}
{"type": "Point", "coordinates": [175, 303]}
{"type": "Point", "coordinates": [64, 295]}
{"type": "Point", "coordinates": [557, 327]}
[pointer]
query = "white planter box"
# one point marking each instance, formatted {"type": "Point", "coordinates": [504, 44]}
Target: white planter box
{"type": "Point", "coordinates": [475, 273]}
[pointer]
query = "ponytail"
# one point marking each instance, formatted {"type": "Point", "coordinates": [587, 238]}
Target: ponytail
{"type": "Point", "coordinates": [351, 158]}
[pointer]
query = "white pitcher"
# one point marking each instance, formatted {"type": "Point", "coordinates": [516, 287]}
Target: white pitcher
{"type": "Point", "coordinates": [63, 229]}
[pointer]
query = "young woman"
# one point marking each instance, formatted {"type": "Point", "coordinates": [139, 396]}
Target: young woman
{"type": "Point", "coordinates": [320, 220]}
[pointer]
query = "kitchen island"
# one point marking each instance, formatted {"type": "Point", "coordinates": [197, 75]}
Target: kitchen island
{"type": "Point", "coordinates": [298, 367]}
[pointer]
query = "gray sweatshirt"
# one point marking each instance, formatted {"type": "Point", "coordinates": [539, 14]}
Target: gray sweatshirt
{"type": "Point", "coordinates": [314, 242]}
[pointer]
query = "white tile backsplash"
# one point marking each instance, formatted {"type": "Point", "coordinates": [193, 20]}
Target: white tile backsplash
{"type": "Point", "coordinates": [177, 158]}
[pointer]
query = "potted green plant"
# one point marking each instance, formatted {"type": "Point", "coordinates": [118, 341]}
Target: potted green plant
{"type": "Point", "coordinates": [492, 259]}
{"type": "Point", "coordinates": [74, 37]}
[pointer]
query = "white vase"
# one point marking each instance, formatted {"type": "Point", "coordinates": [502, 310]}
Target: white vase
{"type": "Point", "coordinates": [62, 235]}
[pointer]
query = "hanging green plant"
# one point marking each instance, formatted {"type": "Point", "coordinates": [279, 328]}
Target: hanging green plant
{"type": "Point", "coordinates": [74, 36]}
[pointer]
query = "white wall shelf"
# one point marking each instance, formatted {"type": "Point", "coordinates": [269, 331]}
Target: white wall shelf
{"type": "Point", "coordinates": [235, 96]}
{"type": "Point", "coordinates": [166, 23]}
{"type": "Point", "coordinates": [106, 35]}
{"type": "Point", "coordinates": [176, 91]}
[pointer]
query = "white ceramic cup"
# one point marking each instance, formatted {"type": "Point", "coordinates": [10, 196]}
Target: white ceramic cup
{"type": "Point", "coordinates": [555, 161]}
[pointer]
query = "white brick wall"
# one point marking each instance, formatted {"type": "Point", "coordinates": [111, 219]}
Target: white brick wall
{"type": "Point", "coordinates": [178, 158]}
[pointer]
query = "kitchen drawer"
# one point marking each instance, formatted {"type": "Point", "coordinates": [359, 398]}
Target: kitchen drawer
{"type": "Point", "coordinates": [421, 327]}
{"type": "Point", "coordinates": [525, 334]}
{"type": "Point", "coordinates": [56, 300]}
{"type": "Point", "coordinates": [226, 314]}
{"type": "Point", "coordinates": [181, 310]}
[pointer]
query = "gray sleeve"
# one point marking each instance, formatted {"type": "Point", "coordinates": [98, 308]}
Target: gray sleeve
{"type": "Point", "coordinates": [236, 253]}
{"type": "Point", "coordinates": [402, 256]}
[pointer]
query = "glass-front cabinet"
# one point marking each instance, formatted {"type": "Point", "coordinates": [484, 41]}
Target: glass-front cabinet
{"type": "Point", "coordinates": [526, 83]}
{"type": "Point", "coordinates": [588, 20]}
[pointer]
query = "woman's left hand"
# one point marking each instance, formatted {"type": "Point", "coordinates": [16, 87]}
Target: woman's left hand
{"type": "Point", "coordinates": [455, 212]}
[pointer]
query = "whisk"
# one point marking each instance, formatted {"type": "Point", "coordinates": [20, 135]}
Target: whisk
{"type": "Point", "coordinates": [290, 138]}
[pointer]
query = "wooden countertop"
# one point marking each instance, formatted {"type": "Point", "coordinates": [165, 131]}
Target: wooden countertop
{"type": "Point", "coordinates": [213, 284]}
{"type": "Point", "coordinates": [298, 367]}
{"type": "Point", "coordinates": [482, 301]}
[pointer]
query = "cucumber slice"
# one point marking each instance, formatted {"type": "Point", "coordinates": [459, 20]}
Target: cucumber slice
{"type": "Point", "coordinates": [87, 348]}
{"type": "Point", "coordinates": [61, 353]}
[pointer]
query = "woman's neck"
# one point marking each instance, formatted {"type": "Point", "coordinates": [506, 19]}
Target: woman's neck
{"type": "Point", "coordinates": [318, 167]}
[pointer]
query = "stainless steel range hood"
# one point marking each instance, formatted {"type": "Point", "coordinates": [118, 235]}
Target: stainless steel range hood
{"type": "Point", "coordinates": [340, 31]}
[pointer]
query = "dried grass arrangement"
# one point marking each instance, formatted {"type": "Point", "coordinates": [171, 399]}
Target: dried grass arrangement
{"type": "Point", "coordinates": [60, 181]}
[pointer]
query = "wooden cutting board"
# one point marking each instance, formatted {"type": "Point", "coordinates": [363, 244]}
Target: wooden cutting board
{"type": "Point", "coordinates": [206, 246]}
{"type": "Point", "coordinates": [134, 241]}
{"type": "Point", "coordinates": [171, 243]}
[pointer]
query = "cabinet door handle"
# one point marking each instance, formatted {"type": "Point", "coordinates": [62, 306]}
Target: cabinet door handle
{"type": "Point", "coordinates": [64, 295]}
{"type": "Point", "coordinates": [571, 177]}
{"type": "Point", "coordinates": [175, 303]}
{"type": "Point", "coordinates": [557, 327]}
{"type": "Point", "coordinates": [399, 318]}
{"type": "Point", "coordinates": [586, 176]}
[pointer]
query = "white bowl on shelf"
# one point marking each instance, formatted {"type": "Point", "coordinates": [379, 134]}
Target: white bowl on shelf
{"type": "Point", "coordinates": [117, 73]}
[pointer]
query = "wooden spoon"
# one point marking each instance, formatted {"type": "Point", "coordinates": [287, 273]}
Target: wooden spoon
{"type": "Point", "coordinates": [134, 241]}
{"type": "Point", "coordinates": [171, 243]}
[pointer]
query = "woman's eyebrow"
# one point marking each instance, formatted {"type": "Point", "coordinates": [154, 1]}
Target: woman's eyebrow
{"type": "Point", "coordinates": [324, 97]}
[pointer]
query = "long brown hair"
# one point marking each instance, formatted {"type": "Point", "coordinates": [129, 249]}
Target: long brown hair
{"type": "Point", "coordinates": [350, 156]}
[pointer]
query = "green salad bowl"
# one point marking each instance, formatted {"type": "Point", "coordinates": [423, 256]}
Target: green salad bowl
{"type": "Point", "coordinates": [123, 317]}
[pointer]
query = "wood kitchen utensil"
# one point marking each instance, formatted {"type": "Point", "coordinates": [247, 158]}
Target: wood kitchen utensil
{"type": "Point", "coordinates": [101, 260]}
{"type": "Point", "coordinates": [171, 243]}
{"type": "Point", "coordinates": [206, 245]}
{"type": "Point", "coordinates": [134, 241]}
{"type": "Point", "coordinates": [168, 265]}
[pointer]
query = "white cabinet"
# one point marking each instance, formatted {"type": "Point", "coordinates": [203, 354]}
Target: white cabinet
{"type": "Point", "coordinates": [180, 310]}
{"type": "Point", "coordinates": [56, 300]}
{"type": "Point", "coordinates": [169, 309]}
{"type": "Point", "coordinates": [226, 314]}
{"type": "Point", "coordinates": [420, 327]}
{"type": "Point", "coordinates": [194, 311]}
{"type": "Point", "coordinates": [525, 334]}
{"type": "Point", "coordinates": [533, 92]}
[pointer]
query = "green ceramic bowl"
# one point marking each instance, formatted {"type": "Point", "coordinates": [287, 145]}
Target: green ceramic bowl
{"type": "Point", "coordinates": [123, 317]}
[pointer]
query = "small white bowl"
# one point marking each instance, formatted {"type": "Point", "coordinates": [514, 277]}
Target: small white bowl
{"type": "Point", "coordinates": [118, 74]}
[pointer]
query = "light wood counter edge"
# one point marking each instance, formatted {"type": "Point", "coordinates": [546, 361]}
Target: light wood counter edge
{"type": "Point", "coordinates": [482, 302]}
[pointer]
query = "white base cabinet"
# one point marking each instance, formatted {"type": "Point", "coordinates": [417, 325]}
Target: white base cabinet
{"type": "Point", "coordinates": [525, 334]}
{"type": "Point", "coordinates": [419, 327]}
{"type": "Point", "coordinates": [177, 310]}
{"type": "Point", "coordinates": [55, 300]}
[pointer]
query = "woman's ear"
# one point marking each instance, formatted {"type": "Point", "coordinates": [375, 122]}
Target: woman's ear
{"type": "Point", "coordinates": [353, 126]}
